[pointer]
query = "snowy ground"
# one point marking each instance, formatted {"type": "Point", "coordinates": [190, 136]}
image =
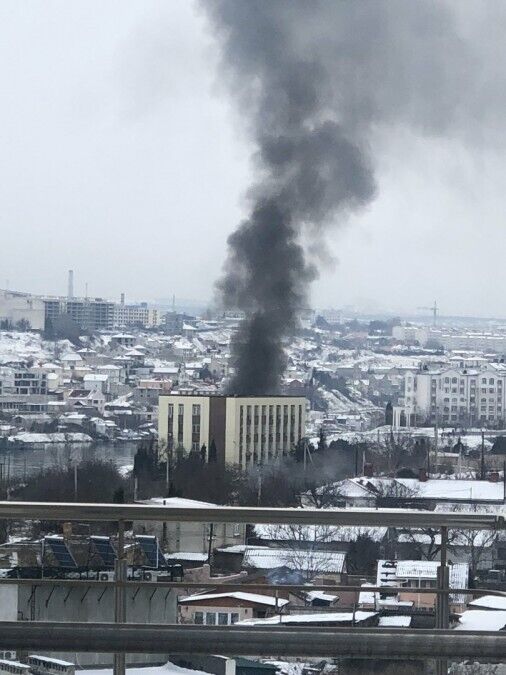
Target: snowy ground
{"type": "Point", "coordinates": [23, 347]}
{"type": "Point", "coordinates": [167, 669]}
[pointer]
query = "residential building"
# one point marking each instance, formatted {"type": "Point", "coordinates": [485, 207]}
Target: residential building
{"type": "Point", "coordinates": [94, 382]}
{"type": "Point", "coordinates": [188, 537]}
{"type": "Point", "coordinates": [241, 430]}
{"type": "Point", "coordinates": [223, 609]}
{"type": "Point", "coordinates": [412, 575]}
{"type": "Point", "coordinates": [136, 315]}
{"type": "Point", "coordinates": [88, 313]}
{"type": "Point", "coordinates": [15, 307]}
{"type": "Point", "coordinates": [456, 396]}
{"type": "Point", "coordinates": [30, 382]}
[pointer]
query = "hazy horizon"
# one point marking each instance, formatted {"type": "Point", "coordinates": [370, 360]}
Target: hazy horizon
{"type": "Point", "coordinates": [126, 161]}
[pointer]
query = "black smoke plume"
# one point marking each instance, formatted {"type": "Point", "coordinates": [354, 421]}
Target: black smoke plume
{"type": "Point", "coordinates": [315, 80]}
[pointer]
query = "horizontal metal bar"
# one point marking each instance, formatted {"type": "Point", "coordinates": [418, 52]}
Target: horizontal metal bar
{"type": "Point", "coordinates": [195, 587]}
{"type": "Point", "coordinates": [235, 640]}
{"type": "Point", "coordinates": [236, 514]}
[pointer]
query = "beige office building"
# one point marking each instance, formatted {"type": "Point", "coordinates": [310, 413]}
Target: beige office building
{"type": "Point", "coordinates": [246, 430]}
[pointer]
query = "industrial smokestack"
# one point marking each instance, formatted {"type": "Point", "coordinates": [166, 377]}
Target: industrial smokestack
{"type": "Point", "coordinates": [122, 299]}
{"type": "Point", "coordinates": [70, 292]}
{"type": "Point", "coordinates": [317, 83]}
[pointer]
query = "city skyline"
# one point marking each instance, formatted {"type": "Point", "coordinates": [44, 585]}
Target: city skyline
{"type": "Point", "coordinates": [122, 154]}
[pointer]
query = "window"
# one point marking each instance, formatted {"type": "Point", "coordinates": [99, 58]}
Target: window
{"type": "Point", "coordinates": [210, 618]}
{"type": "Point", "coordinates": [198, 617]}
{"type": "Point", "coordinates": [234, 617]}
{"type": "Point", "coordinates": [222, 619]}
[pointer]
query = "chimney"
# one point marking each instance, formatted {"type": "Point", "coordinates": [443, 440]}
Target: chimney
{"type": "Point", "coordinates": [122, 299]}
{"type": "Point", "coordinates": [422, 475]}
{"type": "Point", "coordinates": [368, 470]}
{"type": "Point", "coordinates": [70, 293]}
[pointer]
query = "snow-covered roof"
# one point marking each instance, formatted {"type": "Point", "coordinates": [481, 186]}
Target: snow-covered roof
{"type": "Point", "coordinates": [256, 598]}
{"type": "Point", "coordinates": [263, 557]}
{"type": "Point", "coordinates": [482, 619]}
{"type": "Point", "coordinates": [317, 617]}
{"type": "Point", "coordinates": [321, 595]}
{"type": "Point", "coordinates": [434, 488]}
{"type": "Point", "coordinates": [58, 662]}
{"type": "Point", "coordinates": [392, 572]}
{"type": "Point", "coordinates": [167, 669]}
{"type": "Point", "coordinates": [236, 548]}
{"type": "Point", "coordinates": [189, 556]}
{"type": "Point", "coordinates": [56, 437]}
{"type": "Point", "coordinates": [396, 620]}
{"type": "Point", "coordinates": [176, 502]}
{"type": "Point", "coordinates": [16, 664]}
{"type": "Point", "coordinates": [489, 602]}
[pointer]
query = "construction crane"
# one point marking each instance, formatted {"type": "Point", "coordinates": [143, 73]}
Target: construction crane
{"type": "Point", "coordinates": [434, 309]}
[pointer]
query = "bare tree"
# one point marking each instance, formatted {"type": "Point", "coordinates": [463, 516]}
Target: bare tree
{"type": "Point", "coordinates": [475, 668]}
{"type": "Point", "coordinates": [473, 543]}
{"type": "Point", "coordinates": [426, 541]}
{"type": "Point", "coordinates": [305, 548]}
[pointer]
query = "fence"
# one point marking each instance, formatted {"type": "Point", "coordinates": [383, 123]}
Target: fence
{"type": "Point", "coordinates": [120, 637]}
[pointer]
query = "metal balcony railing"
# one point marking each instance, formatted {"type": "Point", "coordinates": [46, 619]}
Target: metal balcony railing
{"type": "Point", "coordinates": [121, 637]}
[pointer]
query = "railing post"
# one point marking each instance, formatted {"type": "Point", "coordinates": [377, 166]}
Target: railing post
{"type": "Point", "coordinates": [120, 576]}
{"type": "Point", "coordinates": [443, 599]}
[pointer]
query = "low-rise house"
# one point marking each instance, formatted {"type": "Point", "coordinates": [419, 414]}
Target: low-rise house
{"type": "Point", "coordinates": [89, 402]}
{"type": "Point", "coordinates": [327, 565]}
{"type": "Point", "coordinates": [413, 575]}
{"type": "Point", "coordinates": [188, 537]}
{"type": "Point", "coordinates": [96, 382]}
{"type": "Point", "coordinates": [223, 609]}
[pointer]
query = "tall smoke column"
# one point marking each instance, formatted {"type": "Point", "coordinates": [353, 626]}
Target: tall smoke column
{"type": "Point", "coordinates": [312, 79]}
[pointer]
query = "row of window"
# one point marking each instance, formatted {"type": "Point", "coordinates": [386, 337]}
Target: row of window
{"type": "Point", "coordinates": [215, 618]}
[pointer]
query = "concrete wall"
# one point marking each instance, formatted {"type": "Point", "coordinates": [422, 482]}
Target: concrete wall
{"type": "Point", "coordinates": [56, 603]}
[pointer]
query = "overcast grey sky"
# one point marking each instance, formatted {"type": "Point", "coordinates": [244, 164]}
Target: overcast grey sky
{"type": "Point", "coordinates": [122, 157]}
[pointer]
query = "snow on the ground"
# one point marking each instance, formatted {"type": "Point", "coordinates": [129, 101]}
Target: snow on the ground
{"type": "Point", "coordinates": [22, 347]}
{"type": "Point", "coordinates": [167, 669]}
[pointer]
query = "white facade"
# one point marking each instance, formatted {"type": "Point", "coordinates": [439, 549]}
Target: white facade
{"type": "Point", "coordinates": [457, 397]}
{"type": "Point", "coordinates": [128, 315]}
{"type": "Point", "coordinates": [95, 382]}
{"type": "Point", "coordinates": [16, 307]}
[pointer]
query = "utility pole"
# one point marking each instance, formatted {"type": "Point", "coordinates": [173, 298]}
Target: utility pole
{"type": "Point", "coordinates": [482, 470]}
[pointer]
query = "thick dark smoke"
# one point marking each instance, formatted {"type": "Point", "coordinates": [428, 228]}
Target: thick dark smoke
{"type": "Point", "coordinates": [315, 80]}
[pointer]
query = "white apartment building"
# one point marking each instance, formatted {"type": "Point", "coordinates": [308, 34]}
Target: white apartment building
{"type": "Point", "coordinates": [457, 396]}
{"type": "Point", "coordinates": [451, 340]}
{"type": "Point", "coordinates": [244, 430]}
{"type": "Point", "coordinates": [16, 307]}
{"type": "Point", "coordinates": [130, 315]}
